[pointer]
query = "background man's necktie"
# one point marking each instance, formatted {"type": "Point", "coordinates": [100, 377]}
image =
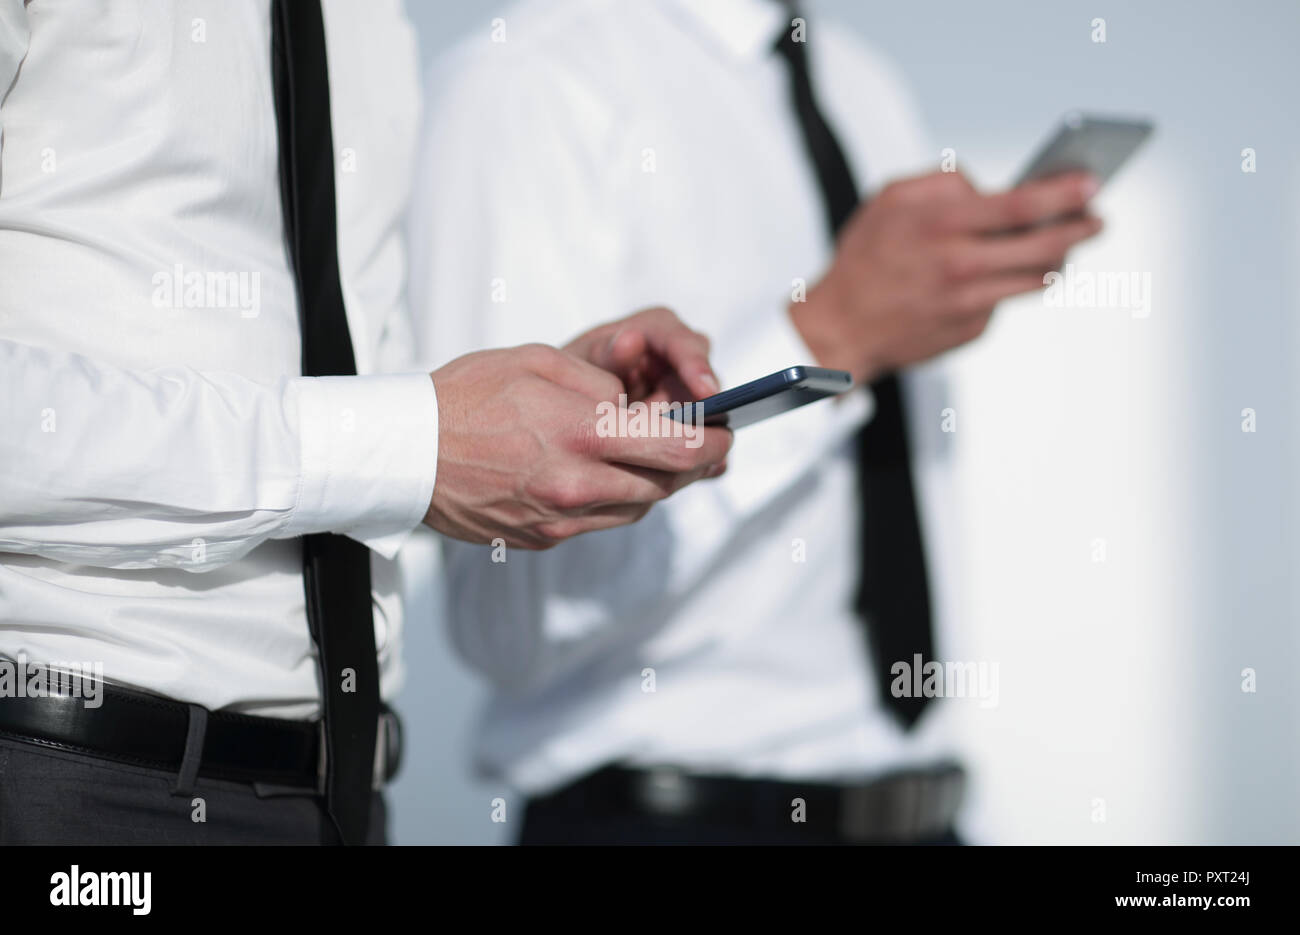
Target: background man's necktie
{"type": "Point", "coordinates": [894, 596]}
{"type": "Point", "coordinates": [336, 570]}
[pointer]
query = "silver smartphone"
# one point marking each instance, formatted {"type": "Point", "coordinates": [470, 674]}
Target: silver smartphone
{"type": "Point", "coordinates": [1099, 145]}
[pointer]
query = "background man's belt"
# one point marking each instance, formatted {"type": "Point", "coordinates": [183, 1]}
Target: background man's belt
{"type": "Point", "coordinates": [909, 805]}
{"type": "Point", "coordinates": [152, 731]}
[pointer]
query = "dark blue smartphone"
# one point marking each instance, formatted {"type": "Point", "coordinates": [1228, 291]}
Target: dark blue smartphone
{"type": "Point", "coordinates": [767, 396]}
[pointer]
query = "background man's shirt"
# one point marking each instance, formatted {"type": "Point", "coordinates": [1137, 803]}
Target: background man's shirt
{"type": "Point", "coordinates": [616, 156]}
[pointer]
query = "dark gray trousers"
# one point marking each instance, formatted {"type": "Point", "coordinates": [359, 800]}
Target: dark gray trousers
{"type": "Point", "coordinates": [52, 796]}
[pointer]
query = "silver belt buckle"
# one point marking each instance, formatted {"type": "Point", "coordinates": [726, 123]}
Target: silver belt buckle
{"type": "Point", "coordinates": [665, 791]}
{"type": "Point", "coordinates": [381, 756]}
{"type": "Point", "coordinates": [388, 743]}
{"type": "Point", "coordinates": [906, 807]}
{"type": "Point", "coordinates": [322, 758]}
{"type": "Point", "coordinates": [388, 746]}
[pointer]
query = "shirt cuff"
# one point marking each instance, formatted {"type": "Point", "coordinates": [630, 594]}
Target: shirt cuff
{"type": "Point", "coordinates": [369, 456]}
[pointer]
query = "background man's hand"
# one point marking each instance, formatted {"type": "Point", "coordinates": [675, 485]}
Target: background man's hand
{"type": "Point", "coordinates": [519, 454]}
{"type": "Point", "coordinates": [920, 267]}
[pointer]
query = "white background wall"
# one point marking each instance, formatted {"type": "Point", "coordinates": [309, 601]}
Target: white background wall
{"type": "Point", "coordinates": [1120, 679]}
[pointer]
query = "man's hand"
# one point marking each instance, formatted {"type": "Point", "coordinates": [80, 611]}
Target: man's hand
{"type": "Point", "coordinates": [658, 358]}
{"type": "Point", "coordinates": [656, 355]}
{"type": "Point", "coordinates": [919, 268]}
{"type": "Point", "coordinates": [520, 457]}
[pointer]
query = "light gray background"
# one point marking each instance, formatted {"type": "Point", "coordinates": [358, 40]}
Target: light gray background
{"type": "Point", "coordinates": [991, 78]}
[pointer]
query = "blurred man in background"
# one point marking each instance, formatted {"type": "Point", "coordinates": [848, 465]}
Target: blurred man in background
{"type": "Point", "coordinates": [726, 672]}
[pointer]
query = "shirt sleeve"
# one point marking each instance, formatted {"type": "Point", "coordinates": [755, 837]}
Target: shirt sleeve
{"type": "Point", "coordinates": [14, 36]}
{"type": "Point", "coordinates": [172, 467]}
{"type": "Point", "coordinates": [519, 236]}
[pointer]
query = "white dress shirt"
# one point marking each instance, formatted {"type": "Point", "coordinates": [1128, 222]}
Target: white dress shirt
{"type": "Point", "coordinates": [159, 452]}
{"type": "Point", "coordinates": [617, 156]}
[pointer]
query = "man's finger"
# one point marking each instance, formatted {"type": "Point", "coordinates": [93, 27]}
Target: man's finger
{"type": "Point", "coordinates": [651, 336]}
{"type": "Point", "coordinates": [555, 531]}
{"type": "Point", "coordinates": [1028, 204]}
{"type": "Point", "coordinates": [684, 350]}
{"type": "Point", "coordinates": [623, 353]}
{"type": "Point", "coordinates": [668, 483]}
{"type": "Point", "coordinates": [687, 352]}
{"type": "Point", "coordinates": [625, 489]}
{"type": "Point", "coordinates": [985, 293]}
{"type": "Point", "coordinates": [616, 349]}
{"type": "Point", "coordinates": [1033, 249]}
{"type": "Point", "coordinates": [615, 485]}
{"type": "Point", "coordinates": [675, 455]}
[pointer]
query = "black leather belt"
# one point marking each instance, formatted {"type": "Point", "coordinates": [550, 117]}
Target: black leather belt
{"type": "Point", "coordinates": [910, 805]}
{"type": "Point", "coordinates": [134, 727]}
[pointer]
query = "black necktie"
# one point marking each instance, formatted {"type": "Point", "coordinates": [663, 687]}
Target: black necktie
{"type": "Point", "coordinates": [893, 595]}
{"type": "Point", "coordinates": [336, 570]}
